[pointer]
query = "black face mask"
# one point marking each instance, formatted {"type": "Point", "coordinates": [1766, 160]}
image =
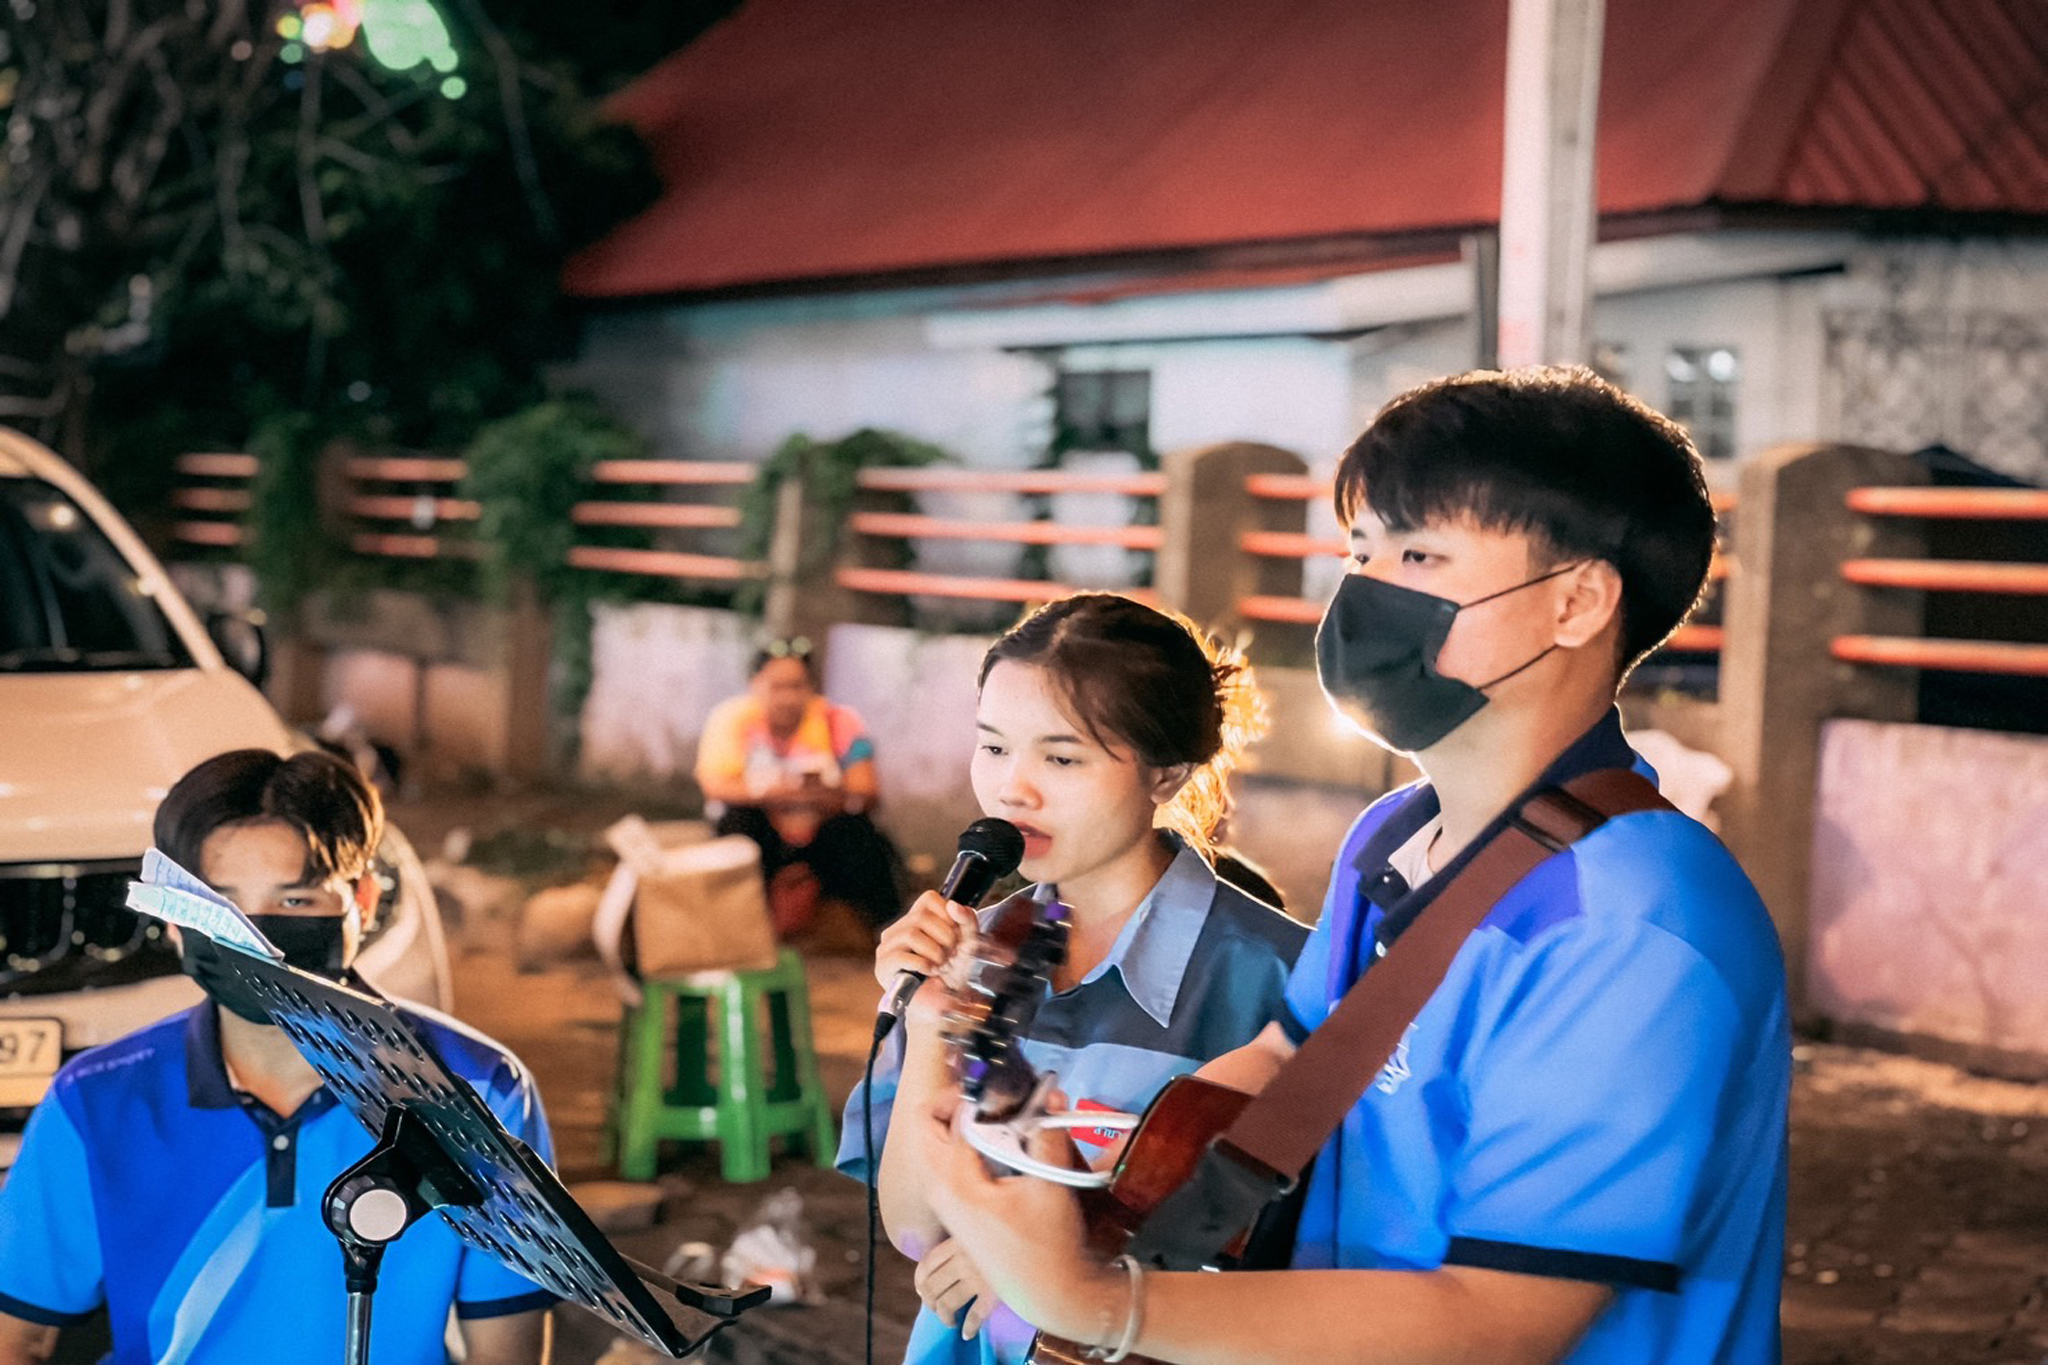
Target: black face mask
{"type": "Point", "coordinates": [1376, 653]}
{"type": "Point", "coordinates": [312, 943]}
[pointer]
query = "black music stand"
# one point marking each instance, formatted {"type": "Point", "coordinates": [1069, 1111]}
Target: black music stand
{"type": "Point", "coordinates": [440, 1148]}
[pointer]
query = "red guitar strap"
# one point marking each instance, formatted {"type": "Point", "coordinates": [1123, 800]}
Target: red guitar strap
{"type": "Point", "coordinates": [1263, 1152]}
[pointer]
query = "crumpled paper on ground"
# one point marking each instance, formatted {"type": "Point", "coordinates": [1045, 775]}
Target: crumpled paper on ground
{"type": "Point", "coordinates": [775, 1249]}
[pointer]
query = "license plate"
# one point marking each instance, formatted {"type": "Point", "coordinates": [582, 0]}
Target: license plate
{"type": "Point", "coordinates": [30, 1047]}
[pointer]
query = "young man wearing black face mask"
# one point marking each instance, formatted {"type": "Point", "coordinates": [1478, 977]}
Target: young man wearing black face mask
{"type": "Point", "coordinates": [175, 1175]}
{"type": "Point", "coordinates": [1577, 1151]}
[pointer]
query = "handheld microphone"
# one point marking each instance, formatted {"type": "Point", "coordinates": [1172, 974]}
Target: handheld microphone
{"type": "Point", "coordinates": [990, 850]}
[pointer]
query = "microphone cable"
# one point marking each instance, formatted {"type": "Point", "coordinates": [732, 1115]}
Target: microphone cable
{"type": "Point", "coordinates": [867, 1123]}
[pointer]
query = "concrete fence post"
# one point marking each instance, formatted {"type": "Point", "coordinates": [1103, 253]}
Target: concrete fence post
{"type": "Point", "coordinates": [806, 548]}
{"type": "Point", "coordinates": [1786, 602]}
{"type": "Point", "coordinates": [298, 657]}
{"type": "Point", "coordinates": [528, 660]}
{"type": "Point", "coordinates": [298, 667]}
{"type": "Point", "coordinates": [1202, 570]}
{"type": "Point", "coordinates": [790, 586]}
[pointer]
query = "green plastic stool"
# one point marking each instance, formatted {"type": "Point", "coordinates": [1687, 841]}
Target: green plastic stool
{"type": "Point", "coordinates": [722, 1092]}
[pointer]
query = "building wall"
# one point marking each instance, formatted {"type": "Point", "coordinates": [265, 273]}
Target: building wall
{"type": "Point", "coordinates": [1942, 342]}
{"type": "Point", "coordinates": [732, 381]}
{"type": "Point", "coordinates": [1914, 342]}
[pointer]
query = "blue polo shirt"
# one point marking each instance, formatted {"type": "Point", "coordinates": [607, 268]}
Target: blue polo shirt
{"type": "Point", "coordinates": [192, 1212]}
{"type": "Point", "coordinates": [1199, 969]}
{"type": "Point", "coordinates": [1597, 1091]}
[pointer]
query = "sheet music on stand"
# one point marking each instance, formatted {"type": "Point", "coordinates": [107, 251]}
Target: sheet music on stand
{"type": "Point", "coordinates": [376, 1064]}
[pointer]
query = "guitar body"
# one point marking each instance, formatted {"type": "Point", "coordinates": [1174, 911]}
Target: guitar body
{"type": "Point", "coordinates": [1161, 1155]}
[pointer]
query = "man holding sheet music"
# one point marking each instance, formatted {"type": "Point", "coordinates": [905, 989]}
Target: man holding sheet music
{"type": "Point", "coordinates": [174, 1176]}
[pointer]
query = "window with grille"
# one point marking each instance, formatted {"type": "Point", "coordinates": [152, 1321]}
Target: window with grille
{"type": "Point", "coordinates": [1701, 396]}
{"type": "Point", "coordinates": [1103, 410]}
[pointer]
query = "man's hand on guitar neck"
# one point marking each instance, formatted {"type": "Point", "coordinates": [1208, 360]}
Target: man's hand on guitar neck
{"type": "Point", "coordinates": [953, 1287]}
{"type": "Point", "coordinates": [1026, 1237]}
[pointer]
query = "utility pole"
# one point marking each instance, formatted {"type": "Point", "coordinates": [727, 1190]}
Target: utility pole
{"type": "Point", "coordinates": [1547, 206]}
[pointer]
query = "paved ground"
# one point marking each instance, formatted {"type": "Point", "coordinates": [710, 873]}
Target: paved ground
{"type": "Point", "coordinates": [1919, 1207]}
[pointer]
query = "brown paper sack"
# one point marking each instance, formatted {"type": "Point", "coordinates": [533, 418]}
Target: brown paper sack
{"type": "Point", "coordinates": [706, 910]}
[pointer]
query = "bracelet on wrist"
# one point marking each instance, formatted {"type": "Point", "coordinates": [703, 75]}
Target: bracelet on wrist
{"type": "Point", "coordinates": [1134, 1314]}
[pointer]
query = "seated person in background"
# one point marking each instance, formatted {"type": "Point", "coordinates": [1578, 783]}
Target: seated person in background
{"type": "Point", "coordinates": [796, 774]}
{"type": "Point", "coordinates": [175, 1176]}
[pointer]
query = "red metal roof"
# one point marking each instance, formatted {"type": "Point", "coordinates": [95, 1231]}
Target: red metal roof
{"type": "Point", "coordinates": [1930, 105]}
{"type": "Point", "coordinates": [809, 141]}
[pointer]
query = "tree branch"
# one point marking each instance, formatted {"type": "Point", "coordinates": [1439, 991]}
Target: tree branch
{"type": "Point", "coordinates": [514, 108]}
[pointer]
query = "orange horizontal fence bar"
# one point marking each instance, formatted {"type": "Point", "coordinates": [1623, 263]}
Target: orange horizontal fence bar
{"type": "Point", "coordinates": [1293, 610]}
{"type": "Point", "coordinates": [1948, 575]}
{"type": "Point", "coordinates": [669, 515]}
{"type": "Point", "coordinates": [399, 507]}
{"type": "Point", "coordinates": [1952, 504]}
{"type": "Point", "coordinates": [662, 563]}
{"type": "Point", "coordinates": [1290, 545]}
{"type": "Point", "coordinates": [1288, 487]}
{"type": "Point", "coordinates": [1705, 639]}
{"type": "Point", "coordinates": [208, 532]}
{"type": "Point", "coordinates": [404, 469]}
{"type": "Point", "coordinates": [1009, 481]}
{"type": "Point", "coordinates": [395, 546]}
{"type": "Point", "coordinates": [1953, 656]}
{"type": "Point", "coordinates": [909, 583]}
{"type": "Point", "coordinates": [672, 471]}
{"type": "Point", "coordinates": [901, 525]}
{"type": "Point", "coordinates": [216, 466]}
{"type": "Point", "coordinates": [212, 499]}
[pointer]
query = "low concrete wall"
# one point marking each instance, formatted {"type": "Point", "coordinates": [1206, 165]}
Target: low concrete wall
{"type": "Point", "coordinates": [656, 672]}
{"type": "Point", "coordinates": [448, 719]}
{"type": "Point", "coordinates": [917, 694]}
{"type": "Point", "coordinates": [431, 676]}
{"type": "Point", "coordinates": [1930, 888]}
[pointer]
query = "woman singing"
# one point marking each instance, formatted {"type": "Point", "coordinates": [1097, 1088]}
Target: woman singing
{"type": "Point", "coordinates": [1106, 733]}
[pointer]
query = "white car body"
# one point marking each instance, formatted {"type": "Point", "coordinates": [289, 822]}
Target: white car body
{"type": "Point", "coordinates": [85, 756]}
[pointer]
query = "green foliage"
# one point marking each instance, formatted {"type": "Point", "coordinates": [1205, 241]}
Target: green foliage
{"type": "Point", "coordinates": [427, 303]}
{"type": "Point", "coordinates": [830, 470]}
{"type": "Point", "coordinates": [217, 227]}
{"type": "Point", "coordinates": [527, 471]}
{"type": "Point", "coordinates": [288, 548]}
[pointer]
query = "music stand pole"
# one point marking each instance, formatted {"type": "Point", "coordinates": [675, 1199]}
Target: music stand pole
{"type": "Point", "coordinates": [361, 1279]}
{"type": "Point", "coordinates": [371, 1204]}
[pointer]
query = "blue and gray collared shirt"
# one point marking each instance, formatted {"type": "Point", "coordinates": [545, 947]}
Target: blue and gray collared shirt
{"type": "Point", "coordinates": [1200, 968]}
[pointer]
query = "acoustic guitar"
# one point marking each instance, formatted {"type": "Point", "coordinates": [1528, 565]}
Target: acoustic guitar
{"type": "Point", "coordinates": [1015, 961]}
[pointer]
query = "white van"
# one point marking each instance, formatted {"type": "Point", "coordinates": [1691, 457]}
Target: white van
{"type": "Point", "coordinates": [110, 689]}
